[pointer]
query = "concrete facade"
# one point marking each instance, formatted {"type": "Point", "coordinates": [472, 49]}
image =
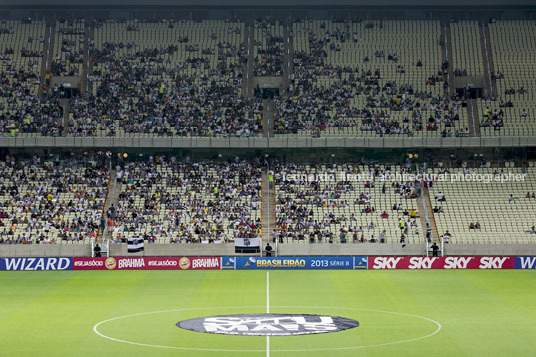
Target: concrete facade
{"type": "Point", "coordinates": [304, 249]}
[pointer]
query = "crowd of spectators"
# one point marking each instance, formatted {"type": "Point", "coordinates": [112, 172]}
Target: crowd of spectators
{"type": "Point", "coordinates": [22, 110]}
{"type": "Point", "coordinates": [187, 84]}
{"type": "Point", "coordinates": [182, 88]}
{"type": "Point", "coordinates": [62, 201]}
{"type": "Point", "coordinates": [323, 203]}
{"type": "Point", "coordinates": [161, 91]}
{"type": "Point", "coordinates": [50, 202]}
{"type": "Point", "coordinates": [314, 109]}
{"type": "Point", "coordinates": [492, 118]}
{"type": "Point", "coordinates": [327, 94]}
{"type": "Point", "coordinates": [269, 46]}
{"type": "Point", "coordinates": [69, 53]}
{"type": "Point", "coordinates": [182, 202]}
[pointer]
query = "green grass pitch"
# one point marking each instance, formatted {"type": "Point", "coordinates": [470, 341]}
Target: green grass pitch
{"type": "Point", "coordinates": [481, 313]}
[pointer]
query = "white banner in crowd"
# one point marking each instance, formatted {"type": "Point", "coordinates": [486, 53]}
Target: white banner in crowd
{"type": "Point", "coordinates": [247, 242]}
{"type": "Point", "coordinates": [135, 244]}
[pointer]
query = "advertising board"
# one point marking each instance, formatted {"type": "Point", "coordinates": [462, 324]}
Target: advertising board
{"type": "Point", "coordinates": [36, 263]}
{"type": "Point", "coordinates": [525, 263]}
{"type": "Point", "coordinates": [284, 263]}
{"type": "Point", "coordinates": [147, 263]}
{"type": "Point", "coordinates": [441, 262]}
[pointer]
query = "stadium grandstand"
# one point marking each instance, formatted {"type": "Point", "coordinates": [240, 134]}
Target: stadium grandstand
{"type": "Point", "coordinates": [379, 92]}
{"type": "Point", "coordinates": [200, 135]}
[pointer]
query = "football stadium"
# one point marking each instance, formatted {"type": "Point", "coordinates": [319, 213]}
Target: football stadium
{"type": "Point", "coordinates": [252, 178]}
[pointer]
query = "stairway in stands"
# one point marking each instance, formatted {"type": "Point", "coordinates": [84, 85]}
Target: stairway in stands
{"type": "Point", "coordinates": [428, 215]}
{"type": "Point", "coordinates": [289, 58]}
{"type": "Point", "coordinates": [487, 58]}
{"type": "Point", "coordinates": [47, 51]}
{"type": "Point", "coordinates": [63, 121]}
{"type": "Point", "coordinates": [268, 209]}
{"type": "Point", "coordinates": [112, 198]}
{"type": "Point", "coordinates": [247, 78]}
{"type": "Point", "coordinates": [473, 118]}
{"type": "Point", "coordinates": [268, 118]}
{"type": "Point", "coordinates": [87, 68]}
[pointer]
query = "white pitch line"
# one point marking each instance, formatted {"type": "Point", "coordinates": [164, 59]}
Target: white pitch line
{"type": "Point", "coordinates": [267, 292]}
{"type": "Point", "coordinates": [267, 310]}
{"type": "Point", "coordinates": [439, 327]}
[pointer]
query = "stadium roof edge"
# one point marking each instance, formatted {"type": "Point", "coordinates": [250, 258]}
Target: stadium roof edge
{"type": "Point", "coordinates": [458, 8]}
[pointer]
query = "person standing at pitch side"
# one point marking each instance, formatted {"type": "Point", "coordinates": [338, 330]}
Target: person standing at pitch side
{"type": "Point", "coordinates": [268, 249]}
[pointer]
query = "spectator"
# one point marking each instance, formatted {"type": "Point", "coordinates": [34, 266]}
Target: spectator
{"type": "Point", "coordinates": [382, 236]}
{"type": "Point", "coordinates": [446, 237]}
{"type": "Point", "coordinates": [97, 251]}
{"type": "Point", "coordinates": [435, 249]}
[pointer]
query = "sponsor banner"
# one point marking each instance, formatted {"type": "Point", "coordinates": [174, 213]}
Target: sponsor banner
{"type": "Point", "coordinates": [228, 263]}
{"type": "Point", "coordinates": [295, 263]}
{"type": "Point", "coordinates": [525, 263]}
{"type": "Point", "coordinates": [247, 242]}
{"type": "Point", "coordinates": [147, 263]}
{"type": "Point", "coordinates": [200, 263]}
{"type": "Point", "coordinates": [441, 262]}
{"type": "Point", "coordinates": [110, 263]}
{"type": "Point", "coordinates": [360, 263]}
{"type": "Point", "coordinates": [162, 263]}
{"type": "Point", "coordinates": [36, 263]}
{"type": "Point", "coordinates": [90, 263]}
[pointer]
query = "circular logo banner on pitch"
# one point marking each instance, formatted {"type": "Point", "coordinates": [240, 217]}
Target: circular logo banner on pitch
{"type": "Point", "coordinates": [269, 324]}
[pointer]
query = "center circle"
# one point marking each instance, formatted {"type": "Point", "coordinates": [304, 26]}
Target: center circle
{"type": "Point", "coordinates": [399, 314]}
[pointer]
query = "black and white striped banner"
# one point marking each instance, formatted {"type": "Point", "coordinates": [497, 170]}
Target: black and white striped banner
{"type": "Point", "coordinates": [135, 244]}
{"type": "Point", "coordinates": [247, 242]}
